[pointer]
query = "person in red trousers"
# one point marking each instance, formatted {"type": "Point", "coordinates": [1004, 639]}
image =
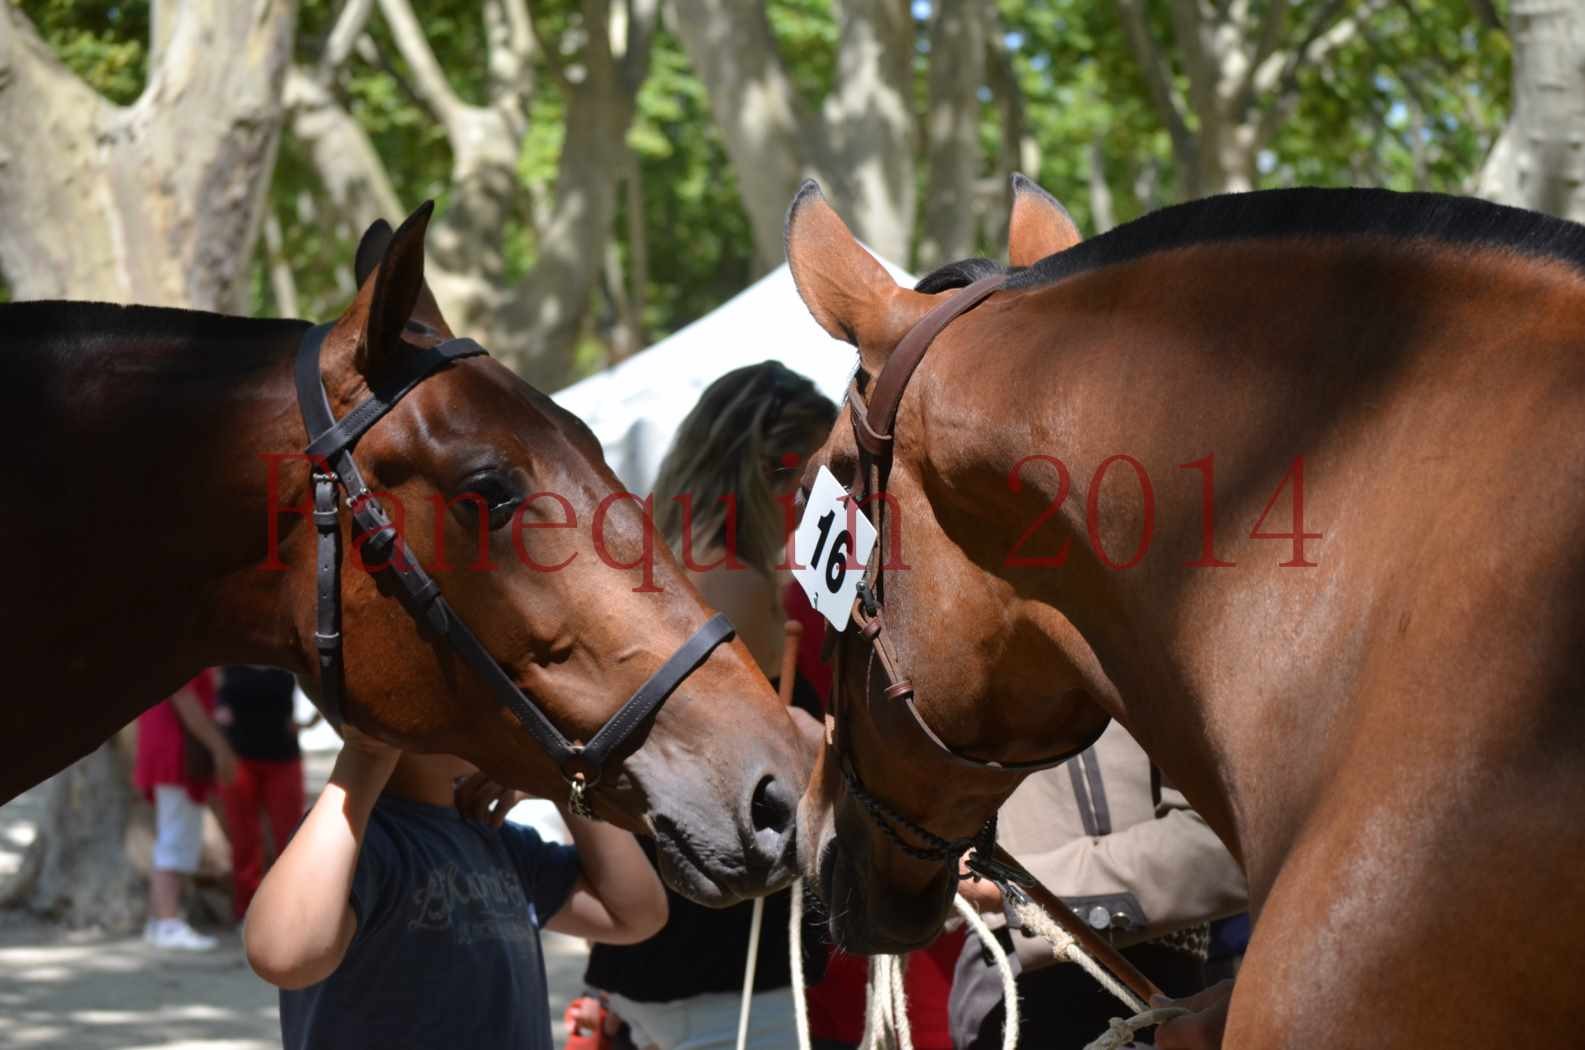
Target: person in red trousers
{"type": "Point", "coordinates": [255, 710]}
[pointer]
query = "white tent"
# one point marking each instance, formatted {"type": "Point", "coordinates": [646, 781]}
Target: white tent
{"type": "Point", "coordinates": [635, 408]}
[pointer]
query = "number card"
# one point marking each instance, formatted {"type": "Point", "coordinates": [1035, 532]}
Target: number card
{"type": "Point", "coordinates": [831, 548]}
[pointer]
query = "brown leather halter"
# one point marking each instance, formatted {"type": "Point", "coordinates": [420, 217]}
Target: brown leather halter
{"type": "Point", "coordinates": [873, 424]}
{"type": "Point", "coordinates": [385, 553]}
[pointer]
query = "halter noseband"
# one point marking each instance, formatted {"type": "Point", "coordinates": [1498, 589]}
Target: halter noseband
{"type": "Point", "coordinates": [874, 421]}
{"type": "Point", "coordinates": [385, 551]}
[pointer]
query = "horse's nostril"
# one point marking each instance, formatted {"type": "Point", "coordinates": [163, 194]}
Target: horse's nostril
{"type": "Point", "coordinates": [772, 806]}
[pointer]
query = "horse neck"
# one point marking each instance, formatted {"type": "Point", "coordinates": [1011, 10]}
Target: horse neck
{"type": "Point", "coordinates": [164, 422]}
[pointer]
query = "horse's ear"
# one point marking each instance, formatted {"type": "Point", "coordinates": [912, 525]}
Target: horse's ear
{"type": "Point", "coordinates": [398, 283]}
{"type": "Point", "coordinates": [849, 293]}
{"type": "Point", "coordinates": [371, 249]}
{"type": "Point", "coordinates": [1039, 227]}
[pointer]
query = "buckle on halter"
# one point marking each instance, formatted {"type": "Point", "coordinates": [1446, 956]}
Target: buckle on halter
{"type": "Point", "coordinates": [867, 599]}
{"type": "Point", "coordinates": [577, 798]}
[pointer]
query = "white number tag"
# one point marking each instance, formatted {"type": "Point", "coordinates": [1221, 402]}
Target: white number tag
{"type": "Point", "coordinates": [832, 546]}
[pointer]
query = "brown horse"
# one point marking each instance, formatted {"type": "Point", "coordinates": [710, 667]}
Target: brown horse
{"type": "Point", "coordinates": [1352, 638]}
{"type": "Point", "coordinates": [158, 523]}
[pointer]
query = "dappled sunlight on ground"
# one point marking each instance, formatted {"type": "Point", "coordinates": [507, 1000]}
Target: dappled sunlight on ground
{"type": "Point", "coordinates": [92, 992]}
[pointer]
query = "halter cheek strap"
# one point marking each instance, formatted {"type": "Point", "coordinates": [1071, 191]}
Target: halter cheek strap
{"type": "Point", "coordinates": [385, 552]}
{"type": "Point", "coordinates": [874, 421]}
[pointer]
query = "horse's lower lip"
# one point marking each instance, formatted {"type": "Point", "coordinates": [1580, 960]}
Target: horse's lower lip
{"type": "Point", "coordinates": [681, 870]}
{"type": "Point", "coordinates": [847, 909]}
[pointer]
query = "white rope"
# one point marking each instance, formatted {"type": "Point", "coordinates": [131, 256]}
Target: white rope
{"type": "Point", "coordinates": [795, 962]}
{"type": "Point", "coordinates": [873, 1008]}
{"type": "Point", "coordinates": [886, 1006]}
{"type": "Point", "coordinates": [1003, 967]}
{"type": "Point", "coordinates": [748, 972]}
{"type": "Point", "coordinates": [899, 997]}
{"type": "Point", "coordinates": [1063, 946]}
{"type": "Point", "coordinates": [1120, 1032]}
{"type": "Point", "coordinates": [886, 1000]}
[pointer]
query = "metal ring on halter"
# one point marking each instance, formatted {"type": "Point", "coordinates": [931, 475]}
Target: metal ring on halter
{"type": "Point", "coordinates": [577, 796]}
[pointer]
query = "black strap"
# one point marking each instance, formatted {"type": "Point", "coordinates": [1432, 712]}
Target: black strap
{"type": "Point", "coordinates": [424, 363]}
{"type": "Point", "coordinates": [327, 587]}
{"type": "Point", "coordinates": [660, 685]}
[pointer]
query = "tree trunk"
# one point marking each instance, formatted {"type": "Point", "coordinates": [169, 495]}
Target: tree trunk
{"type": "Point", "coordinates": [537, 324]}
{"type": "Point", "coordinates": [162, 198]}
{"type": "Point", "coordinates": [869, 118]}
{"type": "Point", "coordinates": [77, 871]}
{"type": "Point", "coordinates": [159, 202]}
{"type": "Point", "coordinates": [1539, 162]}
{"type": "Point", "coordinates": [1242, 74]}
{"type": "Point", "coordinates": [860, 145]}
{"type": "Point", "coordinates": [349, 167]}
{"type": "Point", "coordinates": [952, 132]}
{"type": "Point", "coordinates": [1102, 217]}
{"type": "Point", "coordinates": [763, 123]}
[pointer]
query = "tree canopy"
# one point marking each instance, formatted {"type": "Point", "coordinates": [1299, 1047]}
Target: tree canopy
{"type": "Point", "coordinates": [1101, 101]}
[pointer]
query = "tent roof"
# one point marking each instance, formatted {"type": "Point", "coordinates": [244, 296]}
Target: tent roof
{"type": "Point", "coordinates": [635, 407]}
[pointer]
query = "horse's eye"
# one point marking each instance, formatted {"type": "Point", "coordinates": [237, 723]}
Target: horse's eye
{"type": "Point", "coordinates": [501, 498]}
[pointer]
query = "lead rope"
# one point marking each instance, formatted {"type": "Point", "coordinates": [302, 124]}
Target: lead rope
{"type": "Point", "coordinates": [1120, 1031]}
{"type": "Point", "coordinates": [886, 1001]}
{"type": "Point", "coordinates": [795, 912]}
{"type": "Point", "coordinates": [795, 963]}
{"type": "Point", "coordinates": [1034, 919]}
{"type": "Point", "coordinates": [748, 972]}
{"type": "Point", "coordinates": [1003, 968]}
{"type": "Point", "coordinates": [886, 1024]}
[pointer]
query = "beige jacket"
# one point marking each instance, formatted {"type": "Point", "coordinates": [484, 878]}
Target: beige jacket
{"type": "Point", "coordinates": [1120, 847]}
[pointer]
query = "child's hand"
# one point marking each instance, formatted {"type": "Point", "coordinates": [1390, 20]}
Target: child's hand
{"type": "Point", "coordinates": [481, 799]}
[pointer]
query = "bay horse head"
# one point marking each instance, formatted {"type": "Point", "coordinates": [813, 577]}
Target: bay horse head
{"type": "Point", "coordinates": [950, 683]}
{"type": "Point", "coordinates": [478, 504]}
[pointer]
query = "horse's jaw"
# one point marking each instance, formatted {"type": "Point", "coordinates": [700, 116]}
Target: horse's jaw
{"type": "Point", "coordinates": [870, 910]}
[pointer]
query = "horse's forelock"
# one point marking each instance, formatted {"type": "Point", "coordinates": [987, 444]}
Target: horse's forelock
{"type": "Point", "coordinates": [958, 274]}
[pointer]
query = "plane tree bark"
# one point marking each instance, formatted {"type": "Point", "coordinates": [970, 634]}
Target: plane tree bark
{"type": "Point", "coordinates": [1537, 161]}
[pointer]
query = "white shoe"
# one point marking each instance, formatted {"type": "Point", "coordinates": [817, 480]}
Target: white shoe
{"type": "Point", "coordinates": [174, 935]}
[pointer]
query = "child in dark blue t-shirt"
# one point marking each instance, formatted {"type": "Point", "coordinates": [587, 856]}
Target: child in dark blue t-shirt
{"type": "Point", "coordinates": [404, 913]}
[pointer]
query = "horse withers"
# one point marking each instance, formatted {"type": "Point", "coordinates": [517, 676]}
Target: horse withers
{"type": "Point", "coordinates": [1292, 484]}
{"type": "Point", "coordinates": [161, 520]}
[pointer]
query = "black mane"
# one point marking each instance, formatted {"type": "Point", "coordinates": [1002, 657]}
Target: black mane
{"type": "Point", "coordinates": [56, 322]}
{"type": "Point", "coordinates": [1307, 212]}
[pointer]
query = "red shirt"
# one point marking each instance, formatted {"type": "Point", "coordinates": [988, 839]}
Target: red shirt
{"type": "Point", "coordinates": [161, 755]}
{"type": "Point", "coordinates": [836, 1004]}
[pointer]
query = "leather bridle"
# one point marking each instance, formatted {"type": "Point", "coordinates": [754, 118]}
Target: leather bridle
{"type": "Point", "coordinates": [385, 552]}
{"type": "Point", "coordinates": [874, 421]}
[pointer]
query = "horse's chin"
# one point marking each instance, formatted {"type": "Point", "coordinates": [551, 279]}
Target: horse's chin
{"type": "Point", "coordinates": [680, 871]}
{"type": "Point", "coordinates": [892, 927]}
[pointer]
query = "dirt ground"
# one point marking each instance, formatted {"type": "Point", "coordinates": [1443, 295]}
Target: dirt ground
{"type": "Point", "coordinates": [87, 991]}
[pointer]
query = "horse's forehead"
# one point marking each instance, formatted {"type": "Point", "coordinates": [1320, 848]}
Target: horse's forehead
{"type": "Point", "coordinates": [478, 400]}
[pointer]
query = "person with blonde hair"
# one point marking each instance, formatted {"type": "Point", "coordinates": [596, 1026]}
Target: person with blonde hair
{"type": "Point", "coordinates": [723, 501]}
{"type": "Point", "coordinates": [724, 495]}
